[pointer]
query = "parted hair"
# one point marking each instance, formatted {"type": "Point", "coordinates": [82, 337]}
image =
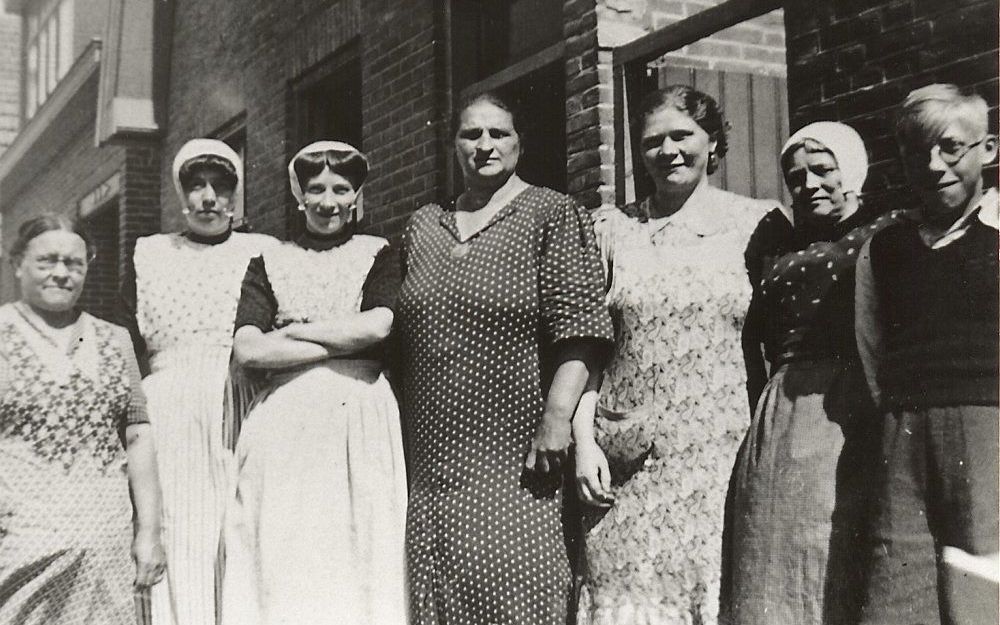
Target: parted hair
{"type": "Point", "coordinates": [699, 106]}
{"type": "Point", "coordinates": [350, 165]}
{"type": "Point", "coordinates": [47, 222]}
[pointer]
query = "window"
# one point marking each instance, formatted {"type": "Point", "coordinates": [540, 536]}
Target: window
{"type": "Point", "coordinates": [234, 134]}
{"type": "Point", "coordinates": [325, 104]}
{"type": "Point", "coordinates": [515, 48]}
{"type": "Point", "coordinates": [49, 46]}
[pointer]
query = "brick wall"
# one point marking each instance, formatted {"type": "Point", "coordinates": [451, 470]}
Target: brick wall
{"type": "Point", "coordinates": [589, 116]}
{"type": "Point", "coordinates": [10, 71]}
{"type": "Point", "coordinates": [403, 104]}
{"type": "Point", "coordinates": [756, 46]}
{"type": "Point", "coordinates": [63, 167]}
{"type": "Point", "coordinates": [855, 61]}
{"type": "Point", "coordinates": [251, 69]}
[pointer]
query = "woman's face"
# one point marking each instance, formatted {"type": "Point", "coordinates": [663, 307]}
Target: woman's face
{"type": "Point", "coordinates": [209, 196]}
{"type": "Point", "coordinates": [675, 149]}
{"type": "Point", "coordinates": [487, 145]}
{"type": "Point", "coordinates": [816, 184]}
{"type": "Point", "coordinates": [52, 270]}
{"type": "Point", "coordinates": [328, 199]}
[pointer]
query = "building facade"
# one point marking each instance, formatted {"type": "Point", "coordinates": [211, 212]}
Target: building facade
{"type": "Point", "coordinates": [387, 77]}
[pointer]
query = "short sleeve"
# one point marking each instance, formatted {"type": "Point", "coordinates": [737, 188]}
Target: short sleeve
{"type": "Point", "coordinates": [258, 307]}
{"type": "Point", "coordinates": [570, 278]}
{"type": "Point", "coordinates": [381, 288]}
{"type": "Point", "coordinates": [136, 412]}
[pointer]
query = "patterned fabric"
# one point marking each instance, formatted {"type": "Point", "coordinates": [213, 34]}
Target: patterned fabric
{"type": "Point", "coordinates": [313, 285]}
{"type": "Point", "coordinates": [65, 513]}
{"type": "Point", "coordinates": [187, 293]}
{"type": "Point", "coordinates": [63, 431]}
{"type": "Point", "coordinates": [671, 411]}
{"type": "Point", "coordinates": [198, 309]}
{"type": "Point", "coordinates": [801, 491]}
{"type": "Point", "coordinates": [478, 321]}
{"type": "Point", "coordinates": [314, 534]}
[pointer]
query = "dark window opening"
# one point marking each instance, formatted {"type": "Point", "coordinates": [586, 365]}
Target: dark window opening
{"type": "Point", "coordinates": [325, 104]}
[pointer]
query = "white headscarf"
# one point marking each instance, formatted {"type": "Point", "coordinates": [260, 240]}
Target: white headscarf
{"type": "Point", "coordinates": [327, 146]}
{"type": "Point", "coordinates": [844, 143]}
{"type": "Point", "coordinates": [202, 147]}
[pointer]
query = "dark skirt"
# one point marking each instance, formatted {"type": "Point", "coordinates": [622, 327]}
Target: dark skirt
{"type": "Point", "coordinates": [800, 499]}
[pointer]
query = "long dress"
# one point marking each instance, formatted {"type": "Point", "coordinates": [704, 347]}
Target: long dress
{"type": "Point", "coordinates": [65, 513]}
{"type": "Point", "coordinates": [800, 500]}
{"type": "Point", "coordinates": [186, 297]}
{"type": "Point", "coordinates": [478, 320]}
{"type": "Point", "coordinates": [671, 412]}
{"type": "Point", "coordinates": [314, 534]}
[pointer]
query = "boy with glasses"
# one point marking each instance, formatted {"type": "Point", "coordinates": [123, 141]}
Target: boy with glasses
{"type": "Point", "coordinates": [927, 328]}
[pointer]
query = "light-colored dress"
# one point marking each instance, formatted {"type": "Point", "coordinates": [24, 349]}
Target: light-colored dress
{"type": "Point", "coordinates": [315, 532]}
{"type": "Point", "coordinates": [65, 514]}
{"type": "Point", "coordinates": [186, 298]}
{"type": "Point", "coordinates": [672, 409]}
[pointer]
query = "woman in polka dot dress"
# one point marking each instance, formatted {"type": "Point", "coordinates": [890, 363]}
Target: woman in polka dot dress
{"type": "Point", "coordinates": [800, 496]}
{"type": "Point", "coordinates": [501, 318]}
{"type": "Point", "coordinates": [671, 410]}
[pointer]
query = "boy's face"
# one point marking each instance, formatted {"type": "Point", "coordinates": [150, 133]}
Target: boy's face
{"type": "Point", "coordinates": [947, 174]}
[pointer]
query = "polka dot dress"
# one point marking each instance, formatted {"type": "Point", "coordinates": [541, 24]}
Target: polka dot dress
{"type": "Point", "coordinates": [478, 320]}
{"type": "Point", "coordinates": [801, 492]}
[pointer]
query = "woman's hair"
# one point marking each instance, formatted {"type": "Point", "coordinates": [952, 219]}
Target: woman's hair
{"type": "Point", "coordinates": [206, 161]}
{"type": "Point", "coordinates": [46, 222]}
{"type": "Point", "coordinates": [700, 107]}
{"type": "Point", "coordinates": [350, 165]}
{"type": "Point", "coordinates": [497, 100]}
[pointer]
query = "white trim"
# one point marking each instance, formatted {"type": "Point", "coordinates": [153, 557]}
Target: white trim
{"type": "Point", "coordinates": [84, 67]}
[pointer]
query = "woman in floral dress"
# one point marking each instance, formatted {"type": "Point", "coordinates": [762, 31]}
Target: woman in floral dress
{"type": "Point", "coordinates": [187, 287]}
{"type": "Point", "coordinates": [315, 533]}
{"type": "Point", "coordinates": [70, 396]}
{"type": "Point", "coordinates": [672, 410]}
{"type": "Point", "coordinates": [500, 318]}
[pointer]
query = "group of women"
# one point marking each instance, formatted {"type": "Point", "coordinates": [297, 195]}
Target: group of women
{"type": "Point", "coordinates": [510, 373]}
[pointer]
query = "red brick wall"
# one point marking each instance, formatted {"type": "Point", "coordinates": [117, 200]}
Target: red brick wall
{"type": "Point", "coordinates": [855, 61]}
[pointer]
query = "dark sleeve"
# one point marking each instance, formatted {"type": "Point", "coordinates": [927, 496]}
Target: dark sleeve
{"type": "Point", "coordinates": [258, 306]}
{"type": "Point", "coordinates": [381, 287]}
{"type": "Point", "coordinates": [571, 280]}
{"type": "Point", "coordinates": [770, 239]}
{"type": "Point", "coordinates": [753, 355]}
{"type": "Point", "coordinates": [125, 316]}
{"type": "Point", "coordinates": [136, 412]}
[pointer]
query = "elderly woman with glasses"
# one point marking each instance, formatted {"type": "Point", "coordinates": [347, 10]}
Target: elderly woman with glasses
{"type": "Point", "coordinates": [70, 397]}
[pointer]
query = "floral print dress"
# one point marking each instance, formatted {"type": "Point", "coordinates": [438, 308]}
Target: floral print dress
{"type": "Point", "coordinates": [672, 408]}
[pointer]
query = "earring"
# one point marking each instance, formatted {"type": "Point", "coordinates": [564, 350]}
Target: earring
{"type": "Point", "coordinates": [186, 211]}
{"type": "Point", "coordinates": [713, 161]}
{"type": "Point", "coordinates": [228, 213]}
{"type": "Point", "coordinates": [302, 208]}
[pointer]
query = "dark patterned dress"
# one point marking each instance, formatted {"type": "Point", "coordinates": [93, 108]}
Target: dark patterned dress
{"type": "Point", "coordinates": [800, 498]}
{"type": "Point", "coordinates": [478, 322]}
{"type": "Point", "coordinates": [65, 514]}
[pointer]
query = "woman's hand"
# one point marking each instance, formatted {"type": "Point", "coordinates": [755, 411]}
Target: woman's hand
{"type": "Point", "coordinates": [593, 478]}
{"type": "Point", "coordinates": [550, 445]}
{"type": "Point", "coordinates": [150, 559]}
